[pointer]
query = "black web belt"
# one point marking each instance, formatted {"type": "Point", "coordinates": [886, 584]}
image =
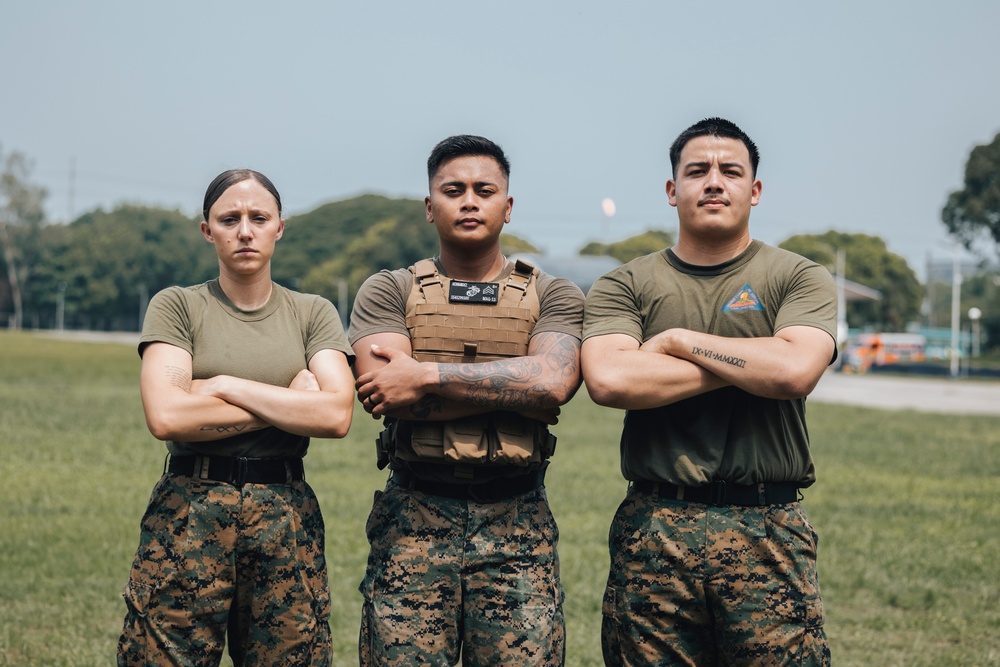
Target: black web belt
{"type": "Point", "coordinates": [237, 470]}
{"type": "Point", "coordinates": [494, 490]}
{"type": "Point", "coordinates": [720, 493]}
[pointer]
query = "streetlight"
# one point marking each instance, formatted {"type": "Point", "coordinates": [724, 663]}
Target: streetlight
{"type": "Point", "coordinates": [841, 297]}
{"type": "Point", "coordinates": [974, 316]}
{"type": "Point", "coordinates": [840, 260]}
{"type": "Point", "coordinates": [956, 296]}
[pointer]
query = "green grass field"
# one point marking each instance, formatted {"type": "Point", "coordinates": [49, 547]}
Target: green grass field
{"type": "Point", "coordinates": [906, 507]}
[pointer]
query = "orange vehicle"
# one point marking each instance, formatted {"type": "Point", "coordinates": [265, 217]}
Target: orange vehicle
{"type": "Point", "coordinates": [882, 349]}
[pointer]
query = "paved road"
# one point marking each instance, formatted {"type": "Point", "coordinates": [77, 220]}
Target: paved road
{"type": "Point", "coordinates": [126, 337]}
{"type": "Point", "coordinates": [901, 393]}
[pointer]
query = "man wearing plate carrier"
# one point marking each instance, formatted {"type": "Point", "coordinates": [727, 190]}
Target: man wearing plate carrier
{"type": "Point", "coordinates": [468, 356]}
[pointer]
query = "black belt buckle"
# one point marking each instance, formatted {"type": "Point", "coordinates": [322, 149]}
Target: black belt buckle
{"type": "Point", "coordinates": [238, 476]}
{"type": "Point", "coordinates": [718, 494]}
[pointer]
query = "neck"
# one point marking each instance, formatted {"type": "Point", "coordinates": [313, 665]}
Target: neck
{"type": "Point", "coordinates": [247, 292]}
{"type": "Point", "coordinates": [710, 253]}
{"type": "Point", "coordinates": [472, 266]}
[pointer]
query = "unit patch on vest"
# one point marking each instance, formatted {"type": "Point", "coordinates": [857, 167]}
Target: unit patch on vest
{"type": "Point", "coordinates": [745, 299]}
{"type": "Point", "coordinates": [465, 292]}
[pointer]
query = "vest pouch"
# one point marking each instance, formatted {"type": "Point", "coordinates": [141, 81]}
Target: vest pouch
{"type": "Point", "coordinates": [425, 441]}
{"type": "Point", "coordinates": [515, 439]}
{"type": "Point", "coordinates": [466, 440]}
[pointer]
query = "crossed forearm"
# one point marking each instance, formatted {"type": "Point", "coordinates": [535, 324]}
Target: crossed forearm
{"type": "Point", "coordinates": [541, 381]}
{"type": "Point", "coordinates": [769, 366]}
{"type": "Point", "coordinates": [546, 379]}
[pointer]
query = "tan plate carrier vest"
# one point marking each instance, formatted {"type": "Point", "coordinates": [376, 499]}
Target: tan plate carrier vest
{"type": "Point", "coordinates": [473, 333]}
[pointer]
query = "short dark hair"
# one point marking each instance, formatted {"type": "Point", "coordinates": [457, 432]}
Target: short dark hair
{"type": "Point", "coordinates": [231, 177]}
{"type": "Point", "coordinates": [461, 145]}
{"type": "Point", "coordinates": [713, 127]}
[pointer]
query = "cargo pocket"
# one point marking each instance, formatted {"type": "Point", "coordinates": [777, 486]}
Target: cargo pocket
{"type": "Point", "coordinates": [134, 645]}
{"type": "Point", "coordinates": [466, 441]}
{"type": "Point", "coordinates": [611, 631]}
{"type": "Point", "coordinates": [515, 440]}
{"type": "Point", "coordinates": [137, 598]}
{"type": "Point", "coordinates": [813, 614]}
{"type": "Point", "coordinates": [322, 645]}
{"type": "Point", "coordinates": [366, 640]}
{"type": "Point", "coordinates": [814, 650]}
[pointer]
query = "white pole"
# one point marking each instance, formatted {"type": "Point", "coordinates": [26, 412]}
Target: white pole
{"type": "Point", "coordinates": [841, 297]}
{"type": "Point", "coordinates": [61, 306]}
{"type": "Point", "coordinates": [974, 315]}
{"type": "Point", "coordinates": [956, 295]}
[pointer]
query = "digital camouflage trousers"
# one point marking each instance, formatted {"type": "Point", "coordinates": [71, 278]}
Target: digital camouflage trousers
{"type": "Point", "coordinates": [692, 584]}
{"type": "Point", "coordinates": [215, 559]}
{"type": "Point", "coordinates": [449, 578]}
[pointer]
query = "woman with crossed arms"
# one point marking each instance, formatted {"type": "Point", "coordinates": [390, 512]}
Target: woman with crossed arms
{"type": "Point", "coordinates": [237, 374]}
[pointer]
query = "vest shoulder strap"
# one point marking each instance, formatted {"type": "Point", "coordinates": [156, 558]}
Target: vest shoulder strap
{"type": "Point", "coordinates": [425, 274]}
{"type": "Point", "coordinates": [517, 284]}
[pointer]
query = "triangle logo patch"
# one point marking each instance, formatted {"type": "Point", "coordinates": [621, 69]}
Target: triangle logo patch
{"type": "Point", "coordinates": [745, 299]}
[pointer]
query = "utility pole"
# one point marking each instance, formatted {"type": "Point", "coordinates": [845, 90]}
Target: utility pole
{"type": "Point", "coordinates": [72, 188]}
{"type": "Point", "coordinates": [61, 306]}
{"type": "Point", "coordinates": [956, 296]}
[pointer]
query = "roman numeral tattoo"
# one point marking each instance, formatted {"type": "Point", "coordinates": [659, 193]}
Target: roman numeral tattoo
{"type": "Point", "coordinates": [724, 358]}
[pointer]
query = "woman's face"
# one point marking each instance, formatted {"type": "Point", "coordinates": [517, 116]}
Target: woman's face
{"type": "Point", "coordinates": [243, 225]}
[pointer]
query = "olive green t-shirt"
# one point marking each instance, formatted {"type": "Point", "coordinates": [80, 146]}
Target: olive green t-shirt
{"type": "Point", "coordinates": [270, 345]}
{"type": "Point", "coordinates": [727, 434]}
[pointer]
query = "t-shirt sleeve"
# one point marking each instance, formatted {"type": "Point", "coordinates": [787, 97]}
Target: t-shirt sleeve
{"type": "Point", "coordinates": [560, 307]}
{"type": "Point", "coordinates": [380, 305]}
{"type": "Point", "coordinates": [326, 332]}
{"type": "Point", "coordinates": [810, 300]}
{"type": "Point", "coordinates": [612, 308]}
{"type": "Point", "coordinates": [168, 320]}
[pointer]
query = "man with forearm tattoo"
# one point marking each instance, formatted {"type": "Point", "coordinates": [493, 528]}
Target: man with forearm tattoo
{"type": "Point", "coordinates": [712, 347]}
{"type": "Point", "coordinates": [467, 357]}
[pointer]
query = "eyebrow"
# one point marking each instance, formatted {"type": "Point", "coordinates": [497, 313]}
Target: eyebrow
{"type": "Point", "coordinates": [724, 165]}
{"type": "Point", "coordinates": [239, 210]}
{"type": "Point", "coordinates": [477, 184]}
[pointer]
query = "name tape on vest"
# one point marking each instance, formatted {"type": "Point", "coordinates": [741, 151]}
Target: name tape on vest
{"type": "Point", "coordinates": [466, 292]}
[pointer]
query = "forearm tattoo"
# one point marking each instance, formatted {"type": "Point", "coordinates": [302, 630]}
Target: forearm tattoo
{"type": "Point", "coordinates": [523, 383]}
{"type": "Point", "coordinates": [178, 377]}
{"type": "Point", "coordinates": [231, 430]}
{"type": "Point", "coordinates": [724, 358]}
{"type": "Point", "coordinates": [427, 405]}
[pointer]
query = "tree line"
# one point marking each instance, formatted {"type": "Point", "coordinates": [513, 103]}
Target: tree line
{"type": "Point", "coordinates": [99, 271]}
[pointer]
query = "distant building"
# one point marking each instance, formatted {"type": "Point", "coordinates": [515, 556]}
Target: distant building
{"type": "Point", "coordinates": [581, 270]}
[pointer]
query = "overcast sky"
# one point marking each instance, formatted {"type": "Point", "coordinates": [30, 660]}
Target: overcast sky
{"type": "Point", "coordinates": [864, 112]}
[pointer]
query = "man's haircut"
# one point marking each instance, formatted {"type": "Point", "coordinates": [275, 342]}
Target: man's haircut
{"type": "Point", "coordinates": [713, 127]}
{"type": "Point", "coordinates": [462, 145]}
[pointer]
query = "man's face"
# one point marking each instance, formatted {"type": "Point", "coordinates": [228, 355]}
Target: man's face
{"type": "Point", "coordinates": [714, 188]}
{"type": "Point", "coordinates": [468, 201]}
